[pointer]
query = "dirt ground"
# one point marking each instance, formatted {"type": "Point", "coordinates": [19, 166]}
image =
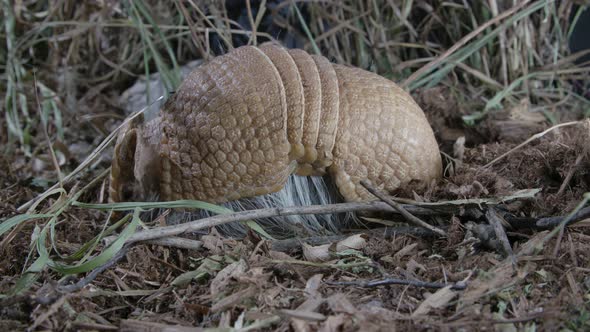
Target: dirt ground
{"type": "Point", "coordinates": [235, 282]}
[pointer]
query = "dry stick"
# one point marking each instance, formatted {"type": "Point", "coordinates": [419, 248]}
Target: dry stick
{"type": "Point", "coordinates": [561, 227]}
{"type": "Point", "coordinates": [530, 139]}
{"type": "Point", "coordinates": [462, 42]}
{"type": "Point", "coordinates": [558, 242]}
{"type": "Point", "coordinates": [516, 320]}
{"type": "Point", "coordinates": [132, 325]}
{"type": "Point", "coordinates": [550, 222]}
{"type": "Point", "coordinates": [213, 26]}
{"type": "Point", "coordinates": [409, 217]}
{"type": "Point", "coordinates": [252, 25]}
{"type": "Point", "coordinates": [259, 16]}
{"type": "Point", "coordinates": [194, 36]}
{"type": "Point", "coordinates": [165, 235]}
{"type": "Point", "coordinates": [218, 220]}
{"type": "Point", "coordinates": [495, 220]}
{"type": "Point", "coordinates": [177, 242]}
{"type": "Point", "coordinates": [393, 281]}
{"type": "Point", "coordinates": [561, 189]}
{"type": "Point", "coordinates": [570, 174]}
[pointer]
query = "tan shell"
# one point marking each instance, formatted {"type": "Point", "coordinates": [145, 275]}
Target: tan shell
{"type": "Point", "coordinates": [239, 125]}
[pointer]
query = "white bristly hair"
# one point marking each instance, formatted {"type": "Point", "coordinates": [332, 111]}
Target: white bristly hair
{"type": "Point", "coordinates": [298, 191]}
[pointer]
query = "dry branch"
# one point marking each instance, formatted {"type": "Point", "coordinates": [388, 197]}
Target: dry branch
{"type": "Point", "coordinates": [218, 220]}
{"type": "Point", "coordinates": [399, 208]}
{"type": "Point", "coordinates": [550, 222]}
{"type": "Point", "coordinates": [496, 221]}
{"type": "Point", "coordinates": [394, 281]}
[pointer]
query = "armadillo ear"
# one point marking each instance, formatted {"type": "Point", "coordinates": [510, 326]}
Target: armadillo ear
{"type": "Point", "coordinates": [122, 177]}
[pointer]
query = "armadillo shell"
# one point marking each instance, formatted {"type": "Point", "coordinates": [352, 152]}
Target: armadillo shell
{"type": "Point", "coordinates": [312, 91]}
{"type": "Point", "coordinates": [225, 133]}
{"type": "Point", "coordinates": [294, 93]}
{"type": "Point", "coordinates": [328, 115]}
{"type": "Point", "coordinates": [239, 125]}
{"type": "Point", "coordinates": [383, 136]}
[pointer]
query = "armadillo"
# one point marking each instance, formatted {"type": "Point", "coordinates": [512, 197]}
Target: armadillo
{"type": "Point", "coordinates": [241, 124]}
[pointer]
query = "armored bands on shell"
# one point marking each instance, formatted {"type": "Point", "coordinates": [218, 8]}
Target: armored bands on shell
{"type": "Point", "coordinates": [241, 124]}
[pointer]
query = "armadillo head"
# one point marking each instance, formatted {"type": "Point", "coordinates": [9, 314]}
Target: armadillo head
{"type": "Point", "coordinates": [135, 171]}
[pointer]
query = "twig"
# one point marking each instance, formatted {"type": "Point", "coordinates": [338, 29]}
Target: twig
{"type": "Point", "coordinates": [322, 264]}
{"type": "Point", "coordinates": [495, 220]}
{"type": "Point", "coordinates": [570, 174]}
{"type": "Point", "coordinates": [530, 139]}
{"type": "Point", "coordinates": [128, 325]}
{"type": "Point", "coordinates": [393, 281]}
{"type": "Point", "coordinates": [252, 25]}
{"type": "Point", "coordinates": [409, 217]}
{"type": "Point", "coordinates": [171, 241]}
{"type": "Point", "coordinates": [558, 242]}
{"type": "Point", "coordinates": [191, 24]}
{"type": "Point", "coordinates": [218, 220]}
{"type": "Point", "coordinates": [527, 250]}
{"type": "Point", "coordinates": [177, 242]}
{"type": "Point", "coordinates": [550, 222]}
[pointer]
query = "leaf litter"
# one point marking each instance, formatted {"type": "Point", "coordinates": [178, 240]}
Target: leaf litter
{"type": "Point", "coordinates": [244, 279]}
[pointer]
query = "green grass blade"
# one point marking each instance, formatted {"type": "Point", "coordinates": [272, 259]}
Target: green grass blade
{"type": "Point", "coordinates": [316, 49]}
{"type": "Point", "coordinates": [25, 282]}
{"type": "Point", "coordinates": [32, 273]}
{"type": "Point", "coordinates": [103, 257]}
{"type": "Point", "coordinates": [180, 204]}
{"type": "Point", "coordinates": [167, 46]}
{"type": "Point", "coordinates": [171, 78]}
{"type": "Point", "coordinates": [85, 251]}
{"type": "Point", "coordinates": [9, 223]}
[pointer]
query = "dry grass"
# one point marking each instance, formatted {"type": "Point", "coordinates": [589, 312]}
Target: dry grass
{"type": "Point", "coordinates": [81, 51]}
